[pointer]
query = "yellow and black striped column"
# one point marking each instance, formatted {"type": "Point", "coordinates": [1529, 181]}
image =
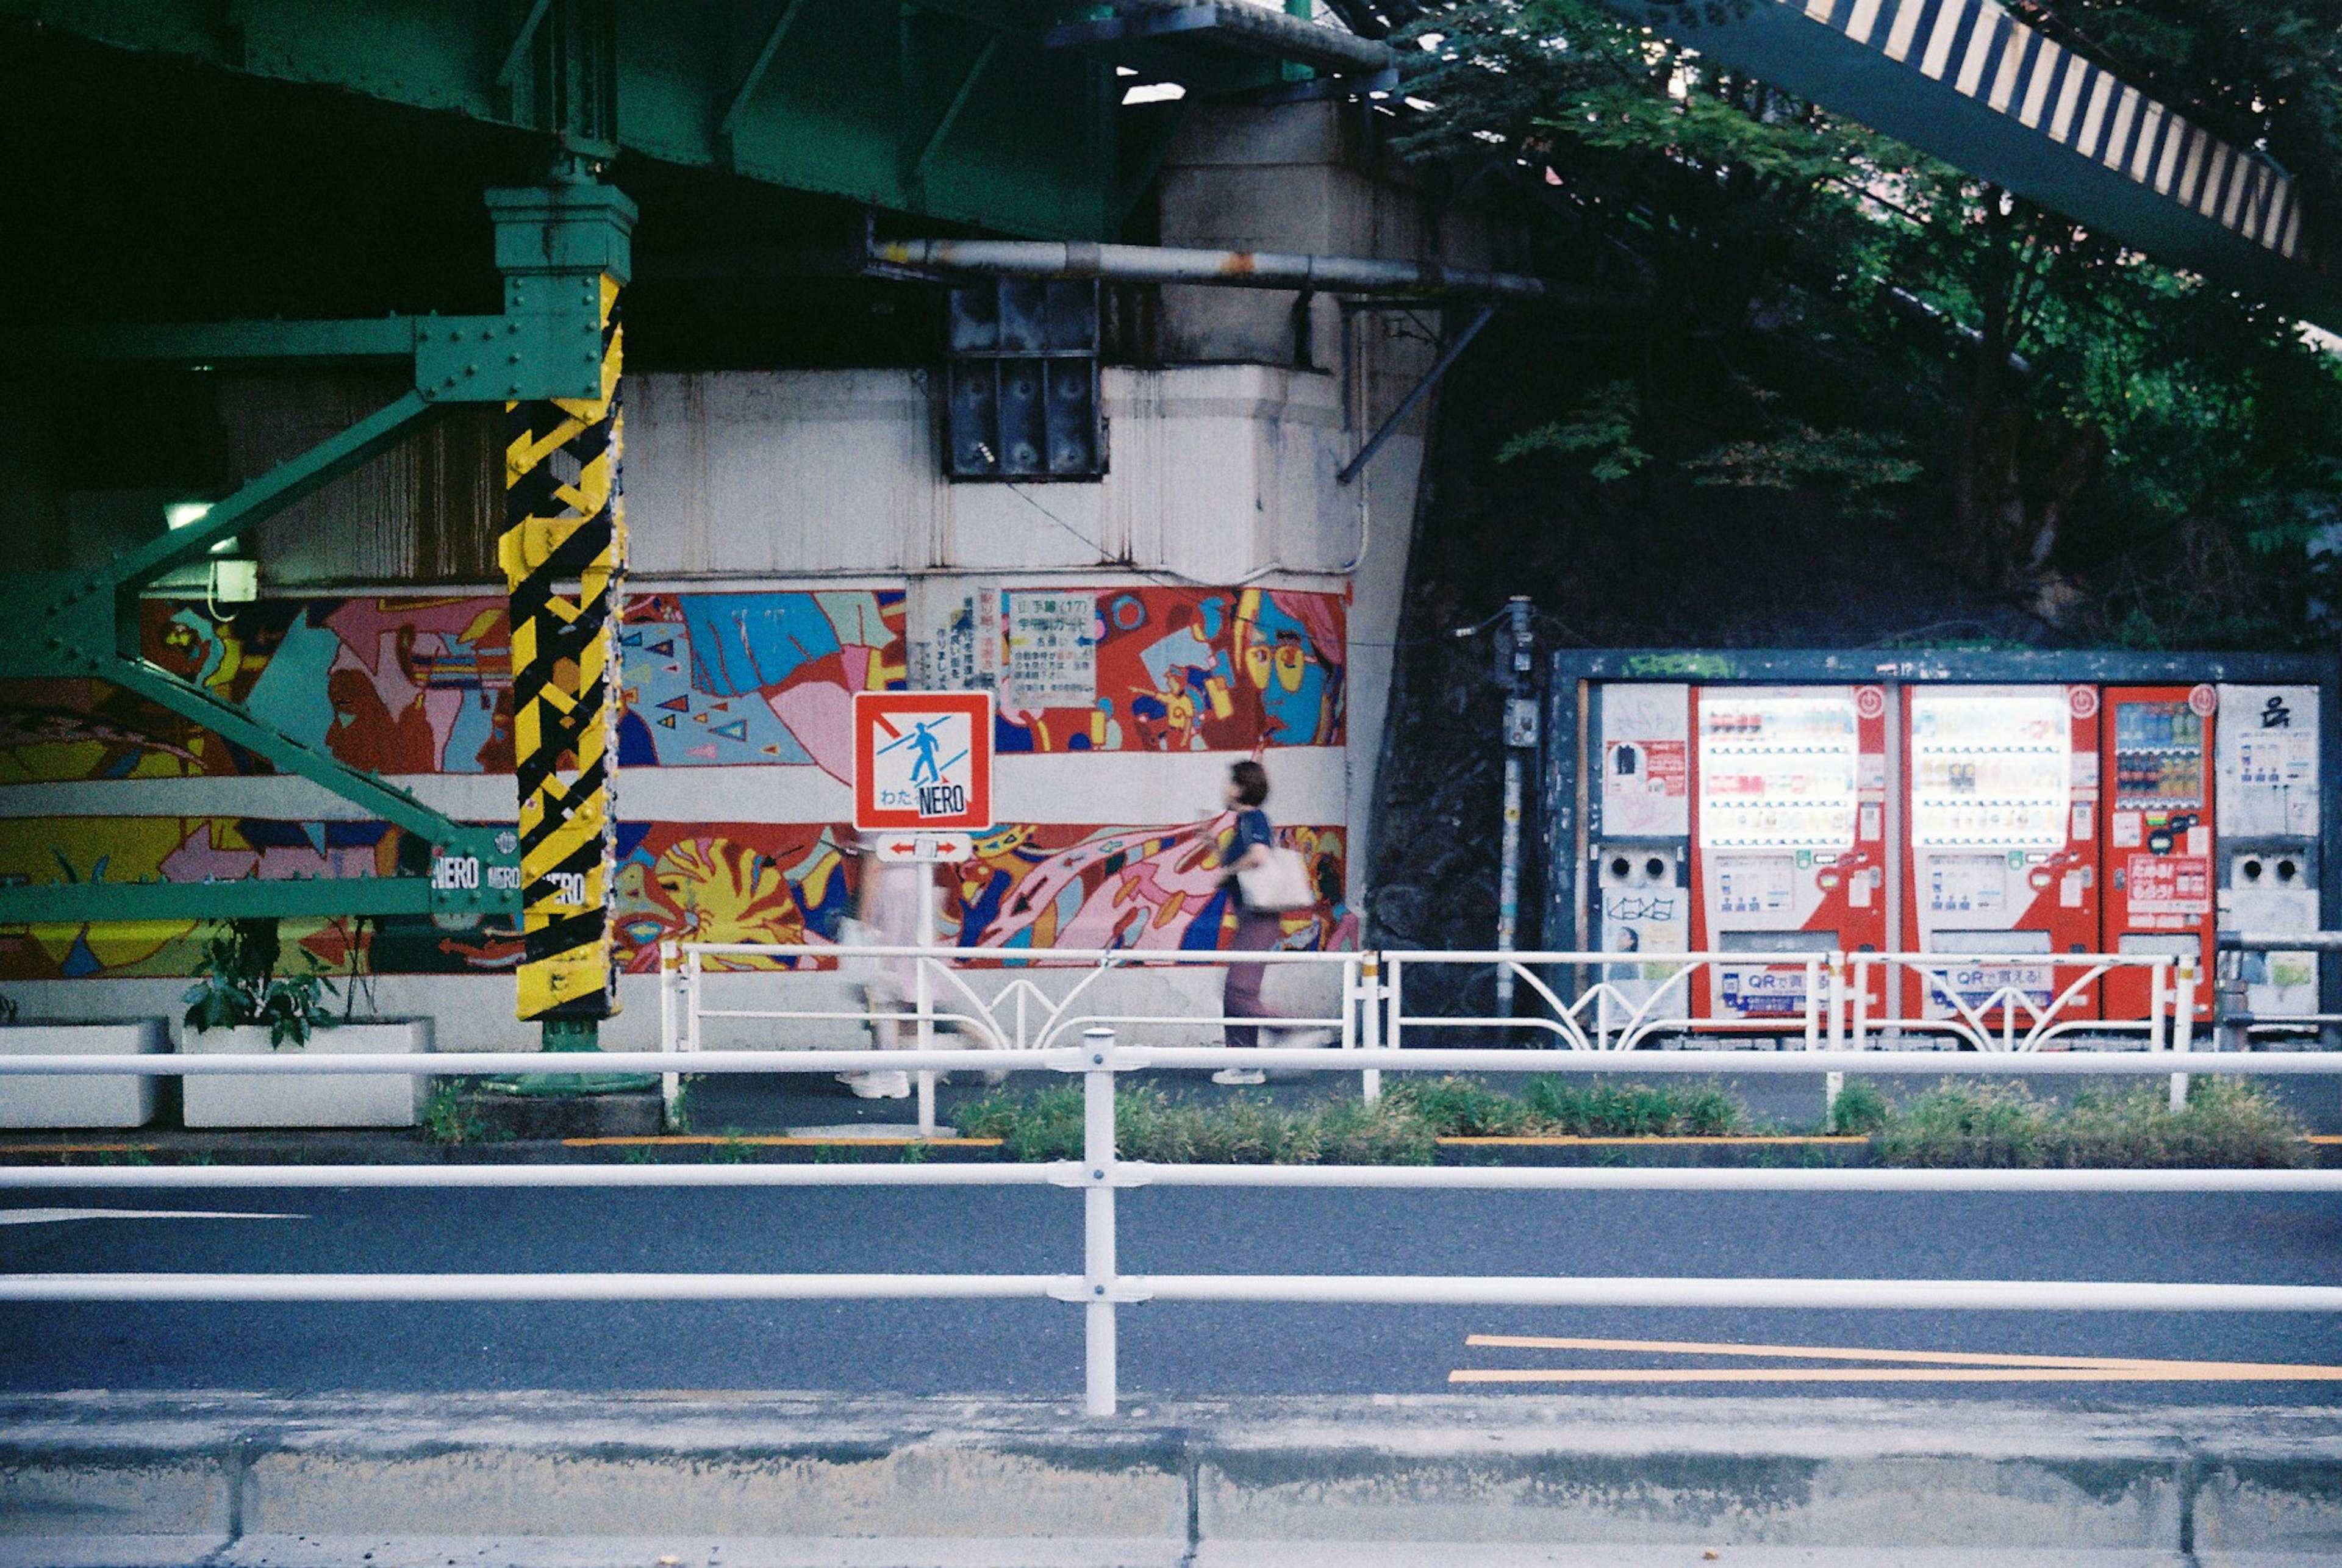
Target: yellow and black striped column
{"type": "Point", "coordinates": [564, 526]}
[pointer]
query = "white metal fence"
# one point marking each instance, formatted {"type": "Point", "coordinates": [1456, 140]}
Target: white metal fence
{"type": "Point", "coordinates": [1028, 999]}
{"type": "Point", "coordinates": [1102, 1288]}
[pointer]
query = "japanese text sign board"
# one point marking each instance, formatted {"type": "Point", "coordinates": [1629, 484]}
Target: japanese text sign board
{"type": "Point", "coordinates": [921, 760]}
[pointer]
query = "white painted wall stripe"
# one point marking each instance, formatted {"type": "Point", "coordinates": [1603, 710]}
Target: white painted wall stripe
{"type": "Point", "coordinates": [2048, 61]}
{"type": "Point", "coordinates": [2150, 128]}
{"type": "Point", "coordinates": [2242, 177]}
{"type": "Point", "coordinates": [1906, 23]}
{"type": "Point", "coordinates": [2070, 97]}
{"type": "Point", "coordinates": [1987, 33]}
{"type": "Point", "coordinates": [2119, 140]}
{"type": "Point", "coordinates": [1940, 41]}
{"type": "Point", "coordinates": [2191, 177]}
{"type": "Point", "coordinates": [2102, 88]}
{"type": "Point", "coordinates": [2214, 178]}
{"type": "Point", "coordinates": [2012, 66]}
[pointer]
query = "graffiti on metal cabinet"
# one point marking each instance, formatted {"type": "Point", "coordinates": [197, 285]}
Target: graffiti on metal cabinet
{"type": "Point", "coordinates": [1170, 669]}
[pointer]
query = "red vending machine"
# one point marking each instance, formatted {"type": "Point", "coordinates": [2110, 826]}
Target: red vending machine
{"type": "Point", "coordinates": [2158, 835]}
{"type": "Point", "coordinates": [1787, 837]}
{"type": "Point", "coordinates": [2004, 857]}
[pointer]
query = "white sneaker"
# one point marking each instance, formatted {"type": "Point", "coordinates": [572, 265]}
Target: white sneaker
{"type": "Point", "coordinates": [896, 1085]}
{"type": "Point", "coordinates": [1240, 1077]}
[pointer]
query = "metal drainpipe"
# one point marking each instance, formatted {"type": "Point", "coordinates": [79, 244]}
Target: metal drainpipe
{"type": "Point", "coordinates": [1226, 269]}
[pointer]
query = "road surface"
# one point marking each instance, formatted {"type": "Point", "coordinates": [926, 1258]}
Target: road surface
{"type": "Point", "coordinates": [1035, 1348]}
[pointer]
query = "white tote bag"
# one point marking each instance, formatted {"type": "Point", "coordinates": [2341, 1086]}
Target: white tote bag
{"type": "Point", "coordinates": [1278, 883]}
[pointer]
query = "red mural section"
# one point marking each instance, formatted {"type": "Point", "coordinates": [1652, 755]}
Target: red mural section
{"type": "Point", "coordinates": [1170, 669]}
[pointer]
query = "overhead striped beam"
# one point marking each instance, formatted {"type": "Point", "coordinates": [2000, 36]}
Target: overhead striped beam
{"type": "Point", "coordinates": [1967, 82]}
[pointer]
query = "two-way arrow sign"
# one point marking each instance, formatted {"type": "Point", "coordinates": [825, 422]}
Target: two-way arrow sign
{"type": "Point", "coordinates": [896, 848]}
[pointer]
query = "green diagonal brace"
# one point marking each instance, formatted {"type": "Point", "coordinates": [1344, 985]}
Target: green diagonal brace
{"type": "Point", "coordinates": [90, 628]}
{"type": "Point", "coordinates": [554, 243]}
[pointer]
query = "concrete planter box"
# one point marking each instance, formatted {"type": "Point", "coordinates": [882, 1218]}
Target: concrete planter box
{"type": "Point", "coordinates": [308, 1099]}
{"type": "Point", "coordinates": [80, 1100]}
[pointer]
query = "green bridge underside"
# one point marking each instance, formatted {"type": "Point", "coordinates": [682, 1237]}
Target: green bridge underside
{"type": "Point", "coordinates": [961, 110]}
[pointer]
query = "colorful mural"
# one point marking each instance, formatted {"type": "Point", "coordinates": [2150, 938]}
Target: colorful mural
{"type": "Point", "coordinates": [1172, 669]}
{"type": "Point", "coordinates": [1137, 887]}
{"type": "Point", "coordinates": [716, 678]}
{"type": "Point", "coordinates": [1027, 887]}
{"type": "Point", "coordinates": [174, 849]}
{"type": "Point", "coordinates": [423, 686]}
{"type": "Point", "coordinates": [730, 882]}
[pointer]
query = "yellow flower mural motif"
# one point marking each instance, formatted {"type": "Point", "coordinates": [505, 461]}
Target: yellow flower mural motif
{"type": "Point", "coordinates": [728, 892]}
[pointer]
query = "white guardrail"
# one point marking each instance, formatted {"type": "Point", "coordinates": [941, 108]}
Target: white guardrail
{"type": "Point", "coordinates": [1372, 1028]}
{"type": "Point", "coordinates": [997, 997]}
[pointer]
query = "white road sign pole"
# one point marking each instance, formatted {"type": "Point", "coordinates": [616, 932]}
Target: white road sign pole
{"type": "Point", "coordinates": [925, 862]}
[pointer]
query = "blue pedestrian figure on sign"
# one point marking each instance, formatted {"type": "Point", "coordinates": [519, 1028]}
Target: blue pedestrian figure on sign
{"type": "Point", "coordinates": [922, 762]}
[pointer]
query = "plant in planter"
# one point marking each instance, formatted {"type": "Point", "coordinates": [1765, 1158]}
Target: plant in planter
{"type": "Point", "coordinates": [237, 985]}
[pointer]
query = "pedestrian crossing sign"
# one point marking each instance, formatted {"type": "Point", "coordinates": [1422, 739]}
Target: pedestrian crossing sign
{"type": "Point", "coordinates": [921, 760]}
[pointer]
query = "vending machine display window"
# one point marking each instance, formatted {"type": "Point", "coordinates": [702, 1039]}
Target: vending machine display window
{"type": "Point", "coordinates": [1991, 770]}
{"type": "Point", "coordinates": [1777, 772]}
{"type": "Point", "coordinates": [2158, 757]}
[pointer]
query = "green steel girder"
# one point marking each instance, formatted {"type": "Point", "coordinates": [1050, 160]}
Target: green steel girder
{"type": "Point", "coordinates": [554, 244]}
{"type": "Point", "coordinates": [817, 95]}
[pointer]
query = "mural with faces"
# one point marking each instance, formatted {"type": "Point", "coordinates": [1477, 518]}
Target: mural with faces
{"type": "Point", "coordinates": [1188, 669]}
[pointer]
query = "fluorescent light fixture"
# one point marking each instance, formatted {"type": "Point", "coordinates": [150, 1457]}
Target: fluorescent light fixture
{"type": "Point", "coordinates": [1125, 71]}
{"type": "Point", "coordinates": [1156, 93]}
{"type": "Point", "coordinates": [180, 514]}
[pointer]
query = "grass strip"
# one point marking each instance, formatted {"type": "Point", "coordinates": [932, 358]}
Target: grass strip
{"type": "Point", "coordinates": [2225, 1124]}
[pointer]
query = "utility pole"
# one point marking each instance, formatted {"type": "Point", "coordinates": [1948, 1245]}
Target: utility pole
{"type": "Point", "coordinates": [1517, 667]}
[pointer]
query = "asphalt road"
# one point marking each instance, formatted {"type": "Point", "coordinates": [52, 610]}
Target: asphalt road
{"type": "Point", "coordinates": [1168, 1350]}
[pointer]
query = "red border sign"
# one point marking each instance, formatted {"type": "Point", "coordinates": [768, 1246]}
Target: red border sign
{"type": "Point", "coordinates": [964, 785]}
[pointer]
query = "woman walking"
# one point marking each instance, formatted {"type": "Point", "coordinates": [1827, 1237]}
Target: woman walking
{"type": "Point", "coordinates": [1258, 930]}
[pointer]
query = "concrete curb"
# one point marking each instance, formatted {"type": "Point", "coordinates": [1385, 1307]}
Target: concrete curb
{"type": "Point", "coordinates": [107, 1481]}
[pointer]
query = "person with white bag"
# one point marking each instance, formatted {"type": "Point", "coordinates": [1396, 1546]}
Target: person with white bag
{"type": "Point", "coordinates": [1267, 881]}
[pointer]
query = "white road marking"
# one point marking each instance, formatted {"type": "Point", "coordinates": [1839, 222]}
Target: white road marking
{"type": "Point", "coordinates": [58, 1217]}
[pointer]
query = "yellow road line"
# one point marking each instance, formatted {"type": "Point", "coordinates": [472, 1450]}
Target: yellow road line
{"type": "Point", "coordinates": [1812, 1352]}
{"type": "Point", "coordinates": [771, 1141]}
{"type": "Point", "coordinates": [2176, 1371]}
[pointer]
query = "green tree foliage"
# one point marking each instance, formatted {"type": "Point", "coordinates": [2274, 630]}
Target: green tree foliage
{"type": "Point", "coordinates": [2130, 452]}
